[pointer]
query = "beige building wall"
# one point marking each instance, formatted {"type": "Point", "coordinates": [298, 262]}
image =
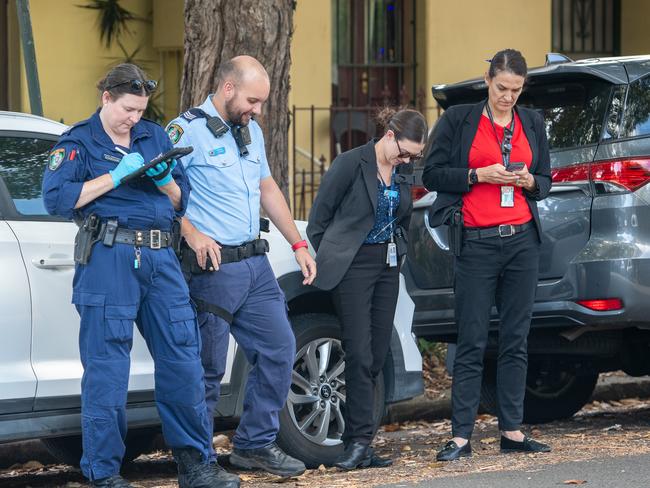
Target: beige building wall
{"type": "Point", "coordinates": [311, 84]}
{"type": "Point", "coordinates": [635, 34]}
{"type": "Point", "coordinates": [71, 59]}
{"type": "Point", "coordinates": [461, 35]}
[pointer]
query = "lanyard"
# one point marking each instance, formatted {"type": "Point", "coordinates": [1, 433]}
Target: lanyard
{"type": "Point", "coordinates": [508, 133]}
{"type": "Point", "coordinates": [391, 192]}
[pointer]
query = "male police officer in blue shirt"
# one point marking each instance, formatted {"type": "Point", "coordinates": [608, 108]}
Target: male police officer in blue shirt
{"type": "Point", "coordinates": [126, 271]}
{"type": "Point", "coordinates": [232, 281]}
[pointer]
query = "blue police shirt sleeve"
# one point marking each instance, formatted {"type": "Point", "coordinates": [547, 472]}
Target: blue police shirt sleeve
{"type": "Point", "coordinates": [180, 137]}
{"type": "Point", "coordinates": [64, 178]}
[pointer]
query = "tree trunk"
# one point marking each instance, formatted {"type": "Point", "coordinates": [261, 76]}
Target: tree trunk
{"type": "Point", "coordinates": [217, 30]}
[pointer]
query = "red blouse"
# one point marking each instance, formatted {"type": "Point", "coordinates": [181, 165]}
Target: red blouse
{"type": "Point", "coordinates": [482, 205]}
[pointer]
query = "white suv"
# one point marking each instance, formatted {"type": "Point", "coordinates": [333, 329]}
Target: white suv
{"type": "Point", "coordinates": [40, 371]}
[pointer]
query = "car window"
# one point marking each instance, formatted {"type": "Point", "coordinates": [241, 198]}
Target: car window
{"type": "Point", "coordinates": [573, 111]}
{"type": "Point", "coordinates": [636, 120]}
{"type": "Point", "coordinates": [22, 162]}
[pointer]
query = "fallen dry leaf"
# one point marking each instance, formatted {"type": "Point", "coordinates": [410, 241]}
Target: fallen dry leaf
{"type": "Point", "coordinates": [391, 427]}
{"type": "Point", "coordinates": [488, 440]}
{"type": "Point", "coordinates": [574, 482]}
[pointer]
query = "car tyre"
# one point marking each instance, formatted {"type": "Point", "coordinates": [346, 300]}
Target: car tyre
{"type": "Point", "coordinates": [551, 393]}
{"type": "Point", "coordinates": [67, 450]}
{"type": "Point", "coordinates": [311, 423]}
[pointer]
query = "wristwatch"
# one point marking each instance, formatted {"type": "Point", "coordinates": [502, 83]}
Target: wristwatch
{"type": "Point", "coordinates": [473, 177]}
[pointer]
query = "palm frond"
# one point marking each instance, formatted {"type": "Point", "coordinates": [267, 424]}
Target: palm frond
{"type": "Point", "coordinates": [113, 19]}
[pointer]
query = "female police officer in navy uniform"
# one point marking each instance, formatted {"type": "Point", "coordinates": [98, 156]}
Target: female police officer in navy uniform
{"type": "Point", "coordinates": [131, 275]}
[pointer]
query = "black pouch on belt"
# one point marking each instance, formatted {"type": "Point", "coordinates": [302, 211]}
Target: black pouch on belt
{"type": "Point", "coordinates": [456, 231]}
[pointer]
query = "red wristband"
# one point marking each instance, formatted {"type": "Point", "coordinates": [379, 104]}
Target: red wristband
{"type": "Point", "coordinates": [299, 244]}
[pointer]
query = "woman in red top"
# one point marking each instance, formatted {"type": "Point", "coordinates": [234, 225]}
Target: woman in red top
{"type": "Point", "coordinates": [491, 161]}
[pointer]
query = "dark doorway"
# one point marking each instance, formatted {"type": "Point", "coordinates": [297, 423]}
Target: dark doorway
{"type": "Point", "coordinates": [373, 56]}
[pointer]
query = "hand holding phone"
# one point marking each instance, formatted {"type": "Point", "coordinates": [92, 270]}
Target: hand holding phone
{"type": "Point", "coordinates": [515, 166]}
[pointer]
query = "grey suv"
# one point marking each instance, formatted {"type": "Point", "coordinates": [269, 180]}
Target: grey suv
{"type": "Point", "coordinates": [592, 309]}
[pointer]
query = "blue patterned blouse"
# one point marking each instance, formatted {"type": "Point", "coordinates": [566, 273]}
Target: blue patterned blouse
{"type": "Point", "coordinates": [384, 223]}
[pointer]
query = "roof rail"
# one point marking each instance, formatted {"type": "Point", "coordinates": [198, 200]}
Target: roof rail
{"type": "Point", "coordinates": [556, 58]}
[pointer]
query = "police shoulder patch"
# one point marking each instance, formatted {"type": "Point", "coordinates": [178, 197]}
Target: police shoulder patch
{"type": "Point", "coordinates": [175, 132]}
{"type": "Point", "coordinates": [56, 158]}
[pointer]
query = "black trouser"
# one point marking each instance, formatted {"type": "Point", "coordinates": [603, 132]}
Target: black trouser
{"type": "Point", "coordinates": [501, 270]}
{"type": "Point", "coordinates": [365, 301]}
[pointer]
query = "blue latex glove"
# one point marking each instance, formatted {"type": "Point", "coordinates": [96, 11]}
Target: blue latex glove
{"type": "Point", "coordinates": [161, 174]}
{"type": "Point", "coordinates": [128, 164]}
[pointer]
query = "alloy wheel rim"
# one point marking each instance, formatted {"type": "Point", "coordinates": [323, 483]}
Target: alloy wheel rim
{"type": "Point", "coordinates": [317, 395]}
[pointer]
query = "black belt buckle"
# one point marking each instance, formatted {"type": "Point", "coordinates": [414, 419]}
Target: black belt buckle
{"type": "Point", "coordinates": [506, 230]}
{"type": "Point", "coordinates": [154, 239]}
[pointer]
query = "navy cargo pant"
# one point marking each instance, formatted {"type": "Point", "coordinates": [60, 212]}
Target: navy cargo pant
{"type": "Point", "coordinates": [248, 290]}
{"type": "Point", "coordinates": [110, 295]}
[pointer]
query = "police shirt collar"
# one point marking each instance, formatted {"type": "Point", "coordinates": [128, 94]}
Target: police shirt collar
{"type": "Point", "coordinates": [99, 134]}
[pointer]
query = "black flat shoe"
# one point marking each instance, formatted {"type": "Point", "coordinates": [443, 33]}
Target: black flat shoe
{"type": "Point", "coordinates": [374, 461]}
{"type": "Point", "coordinates": [527, 445]}
{"type": "Point", "coordinates": [451, 451]}
{"type": "Point", "coordinates": [353, 457]}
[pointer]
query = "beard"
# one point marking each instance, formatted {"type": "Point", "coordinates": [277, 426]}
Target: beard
{"type": "Point", "coordinates": [235, 116]}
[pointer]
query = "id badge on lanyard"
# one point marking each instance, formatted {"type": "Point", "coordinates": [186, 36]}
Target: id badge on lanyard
{"type": "Point", "coordinates": [507, 191]}
{"type": "Point", "coordinates": [391, 253]}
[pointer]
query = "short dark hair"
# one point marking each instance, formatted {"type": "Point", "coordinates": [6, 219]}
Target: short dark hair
{"type": "Point", "coordinates": [116, 80]}
{"type": "Point", "coordinates": [509, 60]}
{"type": "Point", "coordinates": [228, 70]}
{"type": "Point", "coordinates": [406, 123]}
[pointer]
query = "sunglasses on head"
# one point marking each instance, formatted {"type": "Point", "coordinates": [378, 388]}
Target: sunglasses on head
{"type": "Point", "coordinates": [406, 154]}
{"type": "Point", "coordinates": [136, 86]}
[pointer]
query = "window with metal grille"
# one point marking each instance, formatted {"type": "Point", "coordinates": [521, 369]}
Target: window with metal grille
{"type": "Point", "coordinates": [373, 52]}
{"type": "Point", "coordinates": [587, 28]}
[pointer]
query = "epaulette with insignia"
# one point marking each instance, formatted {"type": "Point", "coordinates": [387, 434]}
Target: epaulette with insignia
{"type": "Point", "coordinates": [194, 113]}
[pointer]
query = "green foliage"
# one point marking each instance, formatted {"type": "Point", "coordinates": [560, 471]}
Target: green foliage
{"type": "Point", "coordinates": [434, 349]}
{"type": "Point", "coordinates": [113, 19]}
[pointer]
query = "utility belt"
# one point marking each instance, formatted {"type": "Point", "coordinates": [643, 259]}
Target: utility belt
{"type": "Point", "coordinates": [229, 254]}
{"type": "Point", "coordinates": [93, 230]}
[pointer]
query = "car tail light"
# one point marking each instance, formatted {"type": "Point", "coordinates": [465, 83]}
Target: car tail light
{"type": "Point", "coordinates": [625, 174]}
{"type": "Point", "coordinates": [631, 174]}
{"type": "Point", "coordinates": [603, 304]}
{"type": "Point", "coordinates": [418, 192]}
{"type": "Point", "coordinates": [578, 173]}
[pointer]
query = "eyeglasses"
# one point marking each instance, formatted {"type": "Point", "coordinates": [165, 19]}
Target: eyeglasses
{"type": "Point", "coordinates": [406, 154]}
{"type": "Point", "coordinates": [136, 86]}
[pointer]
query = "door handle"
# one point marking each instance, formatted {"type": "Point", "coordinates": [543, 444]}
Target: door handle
{"type": "Point", "coordinates": [53, 263]}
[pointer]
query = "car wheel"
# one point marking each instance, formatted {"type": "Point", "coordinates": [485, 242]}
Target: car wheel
{"type": "Point", "coordinates": [551, 393]}
{"type": "Point", "coordinates": [312, 421]}
{"type": "Point", "coordinates": [67, 450]}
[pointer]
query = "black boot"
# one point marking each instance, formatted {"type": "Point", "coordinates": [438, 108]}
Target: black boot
{"type": "Point", "coordinates": [194, 472]}
{"type": "Point", "coordinates": [228, 480]}
{"type": "Point", "coordinates": [115, 481]}
{"type": "Point", "coordinates": [270, 458]}
{"type": "Point", "coordinates": [353, 456]}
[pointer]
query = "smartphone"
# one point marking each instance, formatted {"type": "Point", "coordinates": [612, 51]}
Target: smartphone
{"type": "Point", "coordinates": [515, 166]}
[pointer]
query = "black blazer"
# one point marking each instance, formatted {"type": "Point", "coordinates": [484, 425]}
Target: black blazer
{"type": "Point", "coordinates": [447, 161]}
{"type": "Point", "coordinates": [343, 212]}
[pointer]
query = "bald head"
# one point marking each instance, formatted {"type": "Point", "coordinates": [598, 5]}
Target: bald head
{"type": "Point", "coordinates": [243, 86]}
{"type": "Point", "coordinates": [241, 70]}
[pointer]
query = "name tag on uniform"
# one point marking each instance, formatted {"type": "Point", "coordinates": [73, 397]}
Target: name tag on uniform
{"type": "Point", "coordinates": [218, 151]}
{"type": "Point", "coordinates": [391, 193]}
{"type": "Point", "coordinates": [114, 159]}
{"type": "Point", "coordinates": [507, 196]}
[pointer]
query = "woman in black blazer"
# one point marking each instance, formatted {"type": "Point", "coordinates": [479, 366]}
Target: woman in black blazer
{"type": "Point", "coordinates": [490, 164]}
{"type": "Point", "coordinates": [358, 226]}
